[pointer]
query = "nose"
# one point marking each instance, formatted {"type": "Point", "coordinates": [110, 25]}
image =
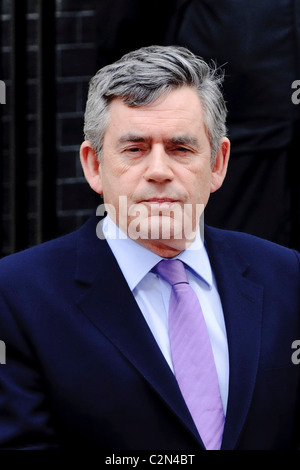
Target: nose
{"type": "Point", "coordinates": [159, 168]}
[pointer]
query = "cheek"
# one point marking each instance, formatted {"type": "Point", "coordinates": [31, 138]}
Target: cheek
{"type": "Point", "coordinates": [118, 183]}
{"type": "Point", "coordinates": [198, 185]}
{"type": "Point", "coordinates": [109, 172]}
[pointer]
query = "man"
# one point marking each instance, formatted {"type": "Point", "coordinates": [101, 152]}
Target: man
{"type": "Point", "coordinates": [92, 356]}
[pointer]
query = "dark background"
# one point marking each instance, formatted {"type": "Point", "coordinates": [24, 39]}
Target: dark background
{"type": "Point", "coordinates": [49, 51]}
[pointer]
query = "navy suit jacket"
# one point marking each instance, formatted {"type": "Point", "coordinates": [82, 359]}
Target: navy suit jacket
{"type": "Point", "coordinates": [83, 369]}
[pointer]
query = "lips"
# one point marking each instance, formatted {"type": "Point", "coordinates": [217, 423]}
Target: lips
{"type": "Point", "coordinates": [158, 205]}
{"type": "Point", "coordinates": [160, 200]}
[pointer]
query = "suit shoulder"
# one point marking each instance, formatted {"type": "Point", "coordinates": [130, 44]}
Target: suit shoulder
{"type": "Point", "coordinates": [255, 248]}
{"type": "Point", "coordinates": [33, 260]}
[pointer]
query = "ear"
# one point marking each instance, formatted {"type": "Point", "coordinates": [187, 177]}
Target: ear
{"type": "Point", "coordinates": [220, 166]}
{"type": "Point", "coordinates": [90, 166]}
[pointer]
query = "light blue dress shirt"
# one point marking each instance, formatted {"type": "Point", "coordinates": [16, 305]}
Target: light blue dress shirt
{"type": "Point", "coordinates": [152, 293]}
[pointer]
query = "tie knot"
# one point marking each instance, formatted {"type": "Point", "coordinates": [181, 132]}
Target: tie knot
{"type": "Point", "coordinates": [172, 271]}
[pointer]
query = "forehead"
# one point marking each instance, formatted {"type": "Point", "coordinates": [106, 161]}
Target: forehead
{"type": "Point", "coordinates": [176, 112]}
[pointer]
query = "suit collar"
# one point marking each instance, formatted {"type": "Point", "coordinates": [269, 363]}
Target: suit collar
{"type": "Point", "coordinates": [136, 261]}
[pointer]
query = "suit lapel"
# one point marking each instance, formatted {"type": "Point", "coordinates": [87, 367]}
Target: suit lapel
{"type": "Point", "coordinates": [107, 302]}
{"type": "Point", "coordinates": [242, 305]}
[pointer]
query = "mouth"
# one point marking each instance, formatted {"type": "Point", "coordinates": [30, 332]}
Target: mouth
{"type": "Point", "coordinates": [160, 202]}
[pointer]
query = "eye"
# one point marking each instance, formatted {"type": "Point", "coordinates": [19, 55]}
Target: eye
{"type": "Point", "coordinates": [181, 150]}
{"type": "Point", "coordinates": [135, 151]}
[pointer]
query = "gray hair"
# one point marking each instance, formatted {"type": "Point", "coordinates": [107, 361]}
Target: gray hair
{"type": "Point", "coordinates": [142, 76]}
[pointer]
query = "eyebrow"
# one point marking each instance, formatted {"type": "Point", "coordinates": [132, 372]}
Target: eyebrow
{"type": "Point", "coordinates": [133, 138]}
{"type": "Point", "coordinates": [184, 139]}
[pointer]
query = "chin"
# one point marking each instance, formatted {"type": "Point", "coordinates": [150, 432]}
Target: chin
{"type": "Point", "coordinates": [158, 227]}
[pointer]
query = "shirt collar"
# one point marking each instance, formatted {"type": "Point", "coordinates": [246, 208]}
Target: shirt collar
{"type": "Point", "coordinates": [136, 261]}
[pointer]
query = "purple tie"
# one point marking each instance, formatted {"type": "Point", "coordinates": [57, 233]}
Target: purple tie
{"type": "Point", "coordinates": [192, 355]}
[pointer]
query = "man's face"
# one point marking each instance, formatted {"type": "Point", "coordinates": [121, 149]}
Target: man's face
{"type": "Point", "coordinates": [157, 158]}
